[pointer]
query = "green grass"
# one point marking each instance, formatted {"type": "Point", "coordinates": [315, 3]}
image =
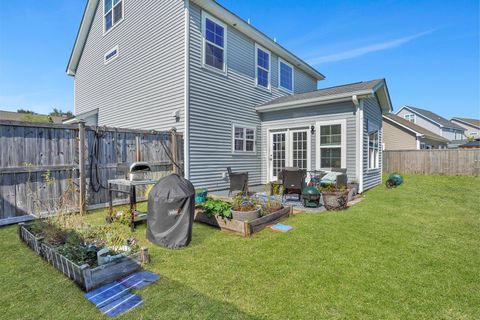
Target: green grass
{"type": "Point", "coordinates": [407, 253]}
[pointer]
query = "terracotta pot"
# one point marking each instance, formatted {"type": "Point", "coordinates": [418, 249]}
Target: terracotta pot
{"type": "Point", "coordinates": [335, 200]}
{"type": "Point", "coordinates": [246, 215]}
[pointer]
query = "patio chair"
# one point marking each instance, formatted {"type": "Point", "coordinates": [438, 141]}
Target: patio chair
{"type": "Point", "coordinates": [238, 181]}
{"type": "Point", "coordinates": [293, 181]}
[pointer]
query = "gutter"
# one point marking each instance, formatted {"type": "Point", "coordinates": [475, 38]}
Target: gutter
{"type": "Point", "coordinates": [186, 116]}
{"type": "Point", "coordinates": [359, 150]}
{"type": "Point", "coordinates": [316, 101]}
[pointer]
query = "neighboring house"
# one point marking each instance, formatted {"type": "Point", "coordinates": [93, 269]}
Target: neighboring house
{"type": "Point", "coordinates": [432, 122]}
{"type": "Point", "coordinates": [474, 144]}
{"type": "Point", "coordinates": [29, 117]}
{"type": "Point", "coordinates": [402, 134]}
{"type": "Point", "coordinates": [240, 99]}
{"type": "Point", "coordinates": [472, 126]}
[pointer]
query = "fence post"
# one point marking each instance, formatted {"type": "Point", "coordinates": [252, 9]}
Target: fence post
{"type": "Point", "coordinates": [138, 151]}
{"type": "Point", "coordinates": [81, 166]}
{"type": "Point", "coordinates": [173, 149]}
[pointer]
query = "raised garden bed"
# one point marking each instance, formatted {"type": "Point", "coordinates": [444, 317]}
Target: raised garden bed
{"type": "Point", "coordinates": [85, 276]}
{"type": "Point", "coordinates": [244, 228]}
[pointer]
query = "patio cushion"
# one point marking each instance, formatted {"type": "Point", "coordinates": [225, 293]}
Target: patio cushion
{"type": "Point", "coordinates": [330, 177]}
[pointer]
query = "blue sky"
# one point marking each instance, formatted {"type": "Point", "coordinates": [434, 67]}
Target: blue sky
{"type": "Point", "coordinates": [427, 50]}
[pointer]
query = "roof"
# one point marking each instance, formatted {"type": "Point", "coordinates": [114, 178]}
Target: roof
{"type": "Point", "coordinates": [468, 121]}
{"type": "Point", "coordinates": [212, 7]}
{"type": "Point", "coordinates": [414, 127]}
{"type": "Point", "coordinates": [441, 121]}
{"type": "Point", "coordinates": [345, 92]}
{"type": "Point", "coordinates": [471, 144]}
{"type": "Point", "coordinates": [28, 117]}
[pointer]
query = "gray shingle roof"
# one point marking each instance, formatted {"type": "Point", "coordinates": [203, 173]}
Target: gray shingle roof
{"type": "Point", "coordinates": [435, 117]}
{"type": "Point", "coordinates": [343, 89]}
{"type": "Point", "coordinates": [472, 122]}
{"type": "Point", "coordinates": [427, 133]}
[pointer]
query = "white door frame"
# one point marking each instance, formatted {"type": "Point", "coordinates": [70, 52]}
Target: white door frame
{"type": "Point", "coordinates": [288, 147]}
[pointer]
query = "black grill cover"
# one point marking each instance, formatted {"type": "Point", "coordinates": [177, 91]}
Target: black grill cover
{"type": "Point", "coordinates": [171, 206]}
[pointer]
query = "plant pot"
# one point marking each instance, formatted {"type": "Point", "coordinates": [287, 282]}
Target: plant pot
{"type": "Point", "coordinates": [335, 200]}
{"type": "Point", "coordinates": [246, 215]}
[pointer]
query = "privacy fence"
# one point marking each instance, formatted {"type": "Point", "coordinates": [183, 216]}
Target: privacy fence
{"type": "Point", "coordinates": [465, 162]}
{"type": "Point", "coordinates": [44, 167]}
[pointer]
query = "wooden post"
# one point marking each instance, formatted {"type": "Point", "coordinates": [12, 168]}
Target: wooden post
{"type": "Point", "coordinates": [174, 149]}
{"type": "Point", "coordinates": [138, 149]}
{"type": "Point", "coordinates": [82, 167]}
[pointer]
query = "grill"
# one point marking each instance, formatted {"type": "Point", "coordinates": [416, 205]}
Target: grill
{"type": "Point", "coordinates": [133, 171]}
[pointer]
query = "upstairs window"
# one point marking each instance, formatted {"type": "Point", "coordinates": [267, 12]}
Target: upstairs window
{"type": "Point", "coordinates": [214, 43]}
{"type": "Point", "coordinates": [285, 75]}
{"type": "Point", "coordinates": [262, 71]}
{"type": "Point", "coordinates": [112, 13]}
{"type": "Point", "coordinates": [243, 139]}
{"type": "Point", "coordinates": [410, 117]}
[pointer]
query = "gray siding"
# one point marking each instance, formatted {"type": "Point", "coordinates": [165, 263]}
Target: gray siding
{"type": "Point", "coordinates": [421, 121]}
{"type": "Point", "coordinates": [144, 86]}
{"type": "Point", "coordinates": [217, 100]}
{"type": "Point", "coordinates": [306, 117]}
{"type": "Point", "coordinates": [371, 115]}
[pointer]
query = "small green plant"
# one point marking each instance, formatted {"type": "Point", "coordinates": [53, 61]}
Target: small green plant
{"type": "Point", "coordinates": [219, 208]}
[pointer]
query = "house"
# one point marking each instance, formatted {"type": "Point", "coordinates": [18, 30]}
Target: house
{"type": "Point", "coordinates": [402, 134]}
{"type": "Point", "coordinates": [474, 144]}
{"type": "Point", "coordinates": [432, 122]}
{"type": "Point", "coordinates": [471, 126]}
{"type": "Point", "coordinates": [240, 99]}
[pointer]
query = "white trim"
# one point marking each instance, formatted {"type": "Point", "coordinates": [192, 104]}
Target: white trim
{"type": "Point", "coordinates": [105, 61]}
{"type": "Point", "coordinates": [361, 138]}
{"type": "Point", "coordinates": [377, 159]}
{"type": "Point", "coordinates": [270, 133]}
{"type": "Point", "coordinates": [309, 147]}
{"type": "Point", "coordinates": [186, 137]}
{"type": "Point", "coordinates": [205, 16]}
{"type": "Point", "coordinates": [316, 101]}
{"type": "Point", "coordinates": [244, 127]}
{"type": "Point", "coordinates": [269, 87]}
{"type": "Point", "coordinates": [114, 25]}
{"type": "Point", "coordinates": [280, 60]}
{"type": "Point", "coordinates": [342, 145]}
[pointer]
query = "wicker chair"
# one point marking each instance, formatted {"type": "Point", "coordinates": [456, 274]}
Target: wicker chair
{"type": "Point", "coordinates": [238, 181]}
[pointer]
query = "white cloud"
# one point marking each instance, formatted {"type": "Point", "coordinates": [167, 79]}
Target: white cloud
{"type": "Point", "coordinates": [367, 49]}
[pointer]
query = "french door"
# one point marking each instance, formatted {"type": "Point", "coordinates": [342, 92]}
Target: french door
{"type": "Point", "coordinates": [288, 148]}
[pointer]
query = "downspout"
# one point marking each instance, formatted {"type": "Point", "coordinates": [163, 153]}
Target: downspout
{"type": "Point", "coordinates": [359, 109]}
{"type": "Point", "coordinates": [186, 137]}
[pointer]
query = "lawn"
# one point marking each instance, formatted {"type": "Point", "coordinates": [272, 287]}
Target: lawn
{"type": "Point", "coordinates": [407, 253]}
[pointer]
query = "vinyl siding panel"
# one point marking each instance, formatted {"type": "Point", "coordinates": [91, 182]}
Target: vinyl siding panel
{"type": "Point", "coordinates": [305, 118]}
{"type": "Point", "coordinates": [419, 120]}
{"type": "Point", "coordinates": [372, 116]}
{"type": "Point", "coordinates": [217, 100]}
{"type": "Point", "coordinates": [144, 86]}
{"type": "Point", "coordinates": [397, 138]}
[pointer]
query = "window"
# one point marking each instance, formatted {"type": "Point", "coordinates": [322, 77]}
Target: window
{"type": "Point", "coordinates": [111, 55]}
{"type": "Point", "coordinates": [300, 149]}
{"type": "Point", "coordinates": [285, 75]}
{"type": "Point", "coordinates": [243, 139]}
{"type": "Point", "coordinates": [262, 71]}
{"type": "Point", "coordinates": [410, 117]}
{"type": "Point", "coordinates": [112, 13]}
{"type": "Point", "coordinates": [331, 145]}
{"type": "Point", "coordinates": [373, 150]}
{"type": "Point", "coordinates": [214, 43]}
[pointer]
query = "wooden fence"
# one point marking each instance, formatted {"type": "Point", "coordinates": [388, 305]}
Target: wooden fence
{"type": "Point", "coordinates": [43, 166]}
{"type": "Point", "coordinates": [465, 162]}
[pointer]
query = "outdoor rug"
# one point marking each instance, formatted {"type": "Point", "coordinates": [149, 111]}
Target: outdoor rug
{"type": "Point", "coordinates": [115, 298]}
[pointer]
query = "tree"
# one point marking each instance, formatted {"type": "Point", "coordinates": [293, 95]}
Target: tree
{"type": "Point", "coordinates": [59, 113]}
{"type": "Point", "coordinates": [26, 111]}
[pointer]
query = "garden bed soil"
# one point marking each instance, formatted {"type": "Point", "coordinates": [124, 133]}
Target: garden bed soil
{"type": "Point", "coordinates": [86, 277]}
{"type": "Point", "coordinates": [244, 228]}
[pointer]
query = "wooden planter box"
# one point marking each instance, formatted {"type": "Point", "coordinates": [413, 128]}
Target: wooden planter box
{"type": "Point", "coordinates": [86, 277]}
{"type": "Point", "coordinates": [244, 228]}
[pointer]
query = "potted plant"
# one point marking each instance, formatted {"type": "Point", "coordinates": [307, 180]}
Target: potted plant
{"type": "Point", "coordinates": [334, 198]}
{"type": "Point", "coordinates": [245, 208]}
